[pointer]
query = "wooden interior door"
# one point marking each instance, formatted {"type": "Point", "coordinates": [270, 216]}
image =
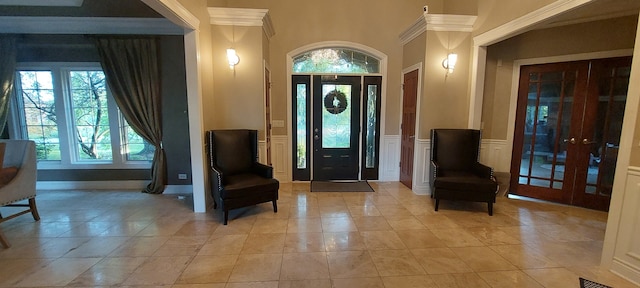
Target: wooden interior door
{"type": "Point", "coordinates": [601, 129]}
{"type": "Point", "coordinates": [408, 127]}
{"type": "Point", "coordinates": [568, 125]}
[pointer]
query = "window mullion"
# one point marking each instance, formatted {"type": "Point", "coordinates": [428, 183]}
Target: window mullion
{"type": "Point", "coordinates": [116, 130]}
{"type": "Point", "coordinates": [63, 112]}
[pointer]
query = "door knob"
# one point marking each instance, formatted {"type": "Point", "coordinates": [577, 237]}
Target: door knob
{"type": "Point", "coordinates": [587, 142]}
{"type": "Point", "coordinates": [572, 140]}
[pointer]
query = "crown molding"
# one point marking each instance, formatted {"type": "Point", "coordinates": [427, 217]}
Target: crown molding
{"type": "Point", "coordinates": [88, 25]}
{"type": "Point", "coordinates": [445, 22]}
{"type": "Point", "coordinates": [242, 17]}
{"type": "Point", "coordinates": [174, 11]}
{"type": "Point", "coordinates": [527, 22]}
{"type": "Point", "coordinates": [438, 22]}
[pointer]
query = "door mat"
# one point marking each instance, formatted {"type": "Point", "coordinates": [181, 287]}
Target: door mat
{"type": "Point", "coordinates": [584, 283]}
{"type": "Point", "coordinates": [340, 186]}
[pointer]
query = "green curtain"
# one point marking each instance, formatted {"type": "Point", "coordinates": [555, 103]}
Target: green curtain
{"type": "Point", "coordinates": [131, 69]}
{"type": "Point", "coordinates": [7, 74]}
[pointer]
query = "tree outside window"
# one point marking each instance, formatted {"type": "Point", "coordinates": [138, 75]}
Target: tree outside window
{"type": "Point", "coordinates": [75, 101]}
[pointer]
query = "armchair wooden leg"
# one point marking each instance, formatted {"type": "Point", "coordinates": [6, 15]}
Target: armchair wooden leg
{"type": "Point", "coordinates": [226, 216]}
{"type": "Point", "coordinates": [34, 209]}
{"type": "Point", "coordinates": [490, 208]}
{"type": "Point", "coordinates": [275, 206]}
{"type": "Point", "coordinates": [437, 203]}
{"type": "Point", "coordinates": [3, 240]}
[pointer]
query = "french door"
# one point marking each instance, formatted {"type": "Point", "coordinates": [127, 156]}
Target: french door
{"type": "Point", "coordinates": [336, 124]}
{"type": "Point", "coordinates": [568, 125]}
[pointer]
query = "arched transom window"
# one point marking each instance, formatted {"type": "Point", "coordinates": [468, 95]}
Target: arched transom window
{"type": "Point", "coordinates": [336, 60]}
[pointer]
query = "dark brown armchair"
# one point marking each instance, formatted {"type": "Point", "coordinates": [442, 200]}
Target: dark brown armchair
{"type": "Point", "coordinates": [237, 179]}
{"type": "Point", "coordinates": [456, 173]}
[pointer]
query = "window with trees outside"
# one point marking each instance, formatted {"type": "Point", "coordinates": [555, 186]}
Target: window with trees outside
{"type": "Point", "coordinates": [66, 108]}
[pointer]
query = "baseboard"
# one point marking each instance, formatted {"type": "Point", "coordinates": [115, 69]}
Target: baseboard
{"type": "Point", "coordinates": [109, 185]}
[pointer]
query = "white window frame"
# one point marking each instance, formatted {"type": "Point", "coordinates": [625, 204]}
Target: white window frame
{"type": "Point", "coordinates": [68, 145]}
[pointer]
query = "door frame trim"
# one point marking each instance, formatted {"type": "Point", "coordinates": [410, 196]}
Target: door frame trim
{"type": "Point", "coordinates": [416, 132]}
{"type": "Point", "coordinates": [332, 44]}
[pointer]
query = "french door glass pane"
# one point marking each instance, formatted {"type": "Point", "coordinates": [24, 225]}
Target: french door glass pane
{"type": "Point", "coordinates": [301, 126]}
{"type": "Point", "coordinates": [606, 139]}
{"type": "Point", "coordinates": [39, 111]}
{"type": "Point", "coordinates": [370, 145]}
{"type": "Point", "coordinates": [90, 115]}
{"type": "Point", "coordinates": [548, 116]}
{"type": "Point", "coordinates": [336, 116]}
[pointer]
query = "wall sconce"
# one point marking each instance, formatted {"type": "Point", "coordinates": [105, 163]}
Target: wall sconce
{"type": "Point", "coordinates": [232, 57]}
{"type": "Point", "coordinates": [449, 63]}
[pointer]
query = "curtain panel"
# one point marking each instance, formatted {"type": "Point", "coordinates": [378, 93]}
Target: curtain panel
{"type": "Point", "coordinates": [8, 53]}
{"type": "Point", "coordinates": [131, 67]}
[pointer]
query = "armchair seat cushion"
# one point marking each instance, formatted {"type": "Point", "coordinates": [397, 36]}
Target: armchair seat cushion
{"type": "Point", "coordinates": [466, 182]}
{"type": "Point", "coordinates": [246, 185]}
{"type": "Point", "coordinates": [7, 174]}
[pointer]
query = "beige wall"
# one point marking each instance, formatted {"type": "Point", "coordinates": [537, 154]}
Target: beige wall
{"type": "Point", "coordinates": [461, 7]}
{"type": "Point", "coordinates": [413, 51]}
{"type": "Point", "coordinates": [376, 25]}
{"type": "Point", "coordinates": [198, 9]}
{"type": "Point", "coordinates": [493, 13]}
{"type": "Point", "coordinates": [445, 98]}
{"type": "Point", "coordinates": [606, 35]}
{"type": "Point", "coordinates": [238, 93]}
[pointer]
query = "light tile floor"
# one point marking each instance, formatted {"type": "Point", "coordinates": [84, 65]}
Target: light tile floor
{"type": "Point", "coordinates": [387, 238]}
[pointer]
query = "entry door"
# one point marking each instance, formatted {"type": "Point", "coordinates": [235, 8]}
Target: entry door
{"type": "Point", "coordinates": [409, 100]}
{"type": "Point", "coordinates": [336, 127]}
{"type": "Point", "coordinates": [568, 126]}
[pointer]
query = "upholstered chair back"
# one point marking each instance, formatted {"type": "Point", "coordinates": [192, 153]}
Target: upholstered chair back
{"type": "Point", "coordinates": [234, 151]}
{"type": "Point", "coordinates": [455, 149]}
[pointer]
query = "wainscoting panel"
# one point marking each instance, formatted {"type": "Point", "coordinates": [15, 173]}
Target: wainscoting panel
{"type": "Point", "coordinates": [390, 158]}
{"type": "Point", "coordinates": [280, 158]}
{"type": "Point", "coordinates": [626, 259]}
{"type": "Point", "coordinates": [494, 154]}
{"type": "Point", "coordinates": [262, 151]}
{"type": "Point", "coordinates": [422, 167]}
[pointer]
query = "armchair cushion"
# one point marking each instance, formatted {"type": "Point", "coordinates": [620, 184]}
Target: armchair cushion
{"type": "Point", "coordinates": [465, 181]}
{"type": "Point", "coordinates": [246, 184]}
{"type": "Point", "coordinates": [7, 174]}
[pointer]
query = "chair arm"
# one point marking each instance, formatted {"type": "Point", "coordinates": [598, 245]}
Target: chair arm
{"type": "Point", "coordinates": [482, 170]}
{"type": "Point", "coordinates": [23, 184]}
{"type": "Point", "coordinates": [433, 174]}
{"type": "Point", "coordinates": [216, 178]}
{"type": "Point", "coordinates": [263, 170]}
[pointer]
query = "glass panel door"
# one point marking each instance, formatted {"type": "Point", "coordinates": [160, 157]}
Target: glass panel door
{"type": "Point", "coordinates": [336, 127]}
{"type": "Point", "coordinates": [568, 128]}
{"type": "Point", "coordinates": [548, 118]}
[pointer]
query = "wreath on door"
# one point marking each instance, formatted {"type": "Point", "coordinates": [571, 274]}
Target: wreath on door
{"type": "Point", "coordinates": [335, 102]}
